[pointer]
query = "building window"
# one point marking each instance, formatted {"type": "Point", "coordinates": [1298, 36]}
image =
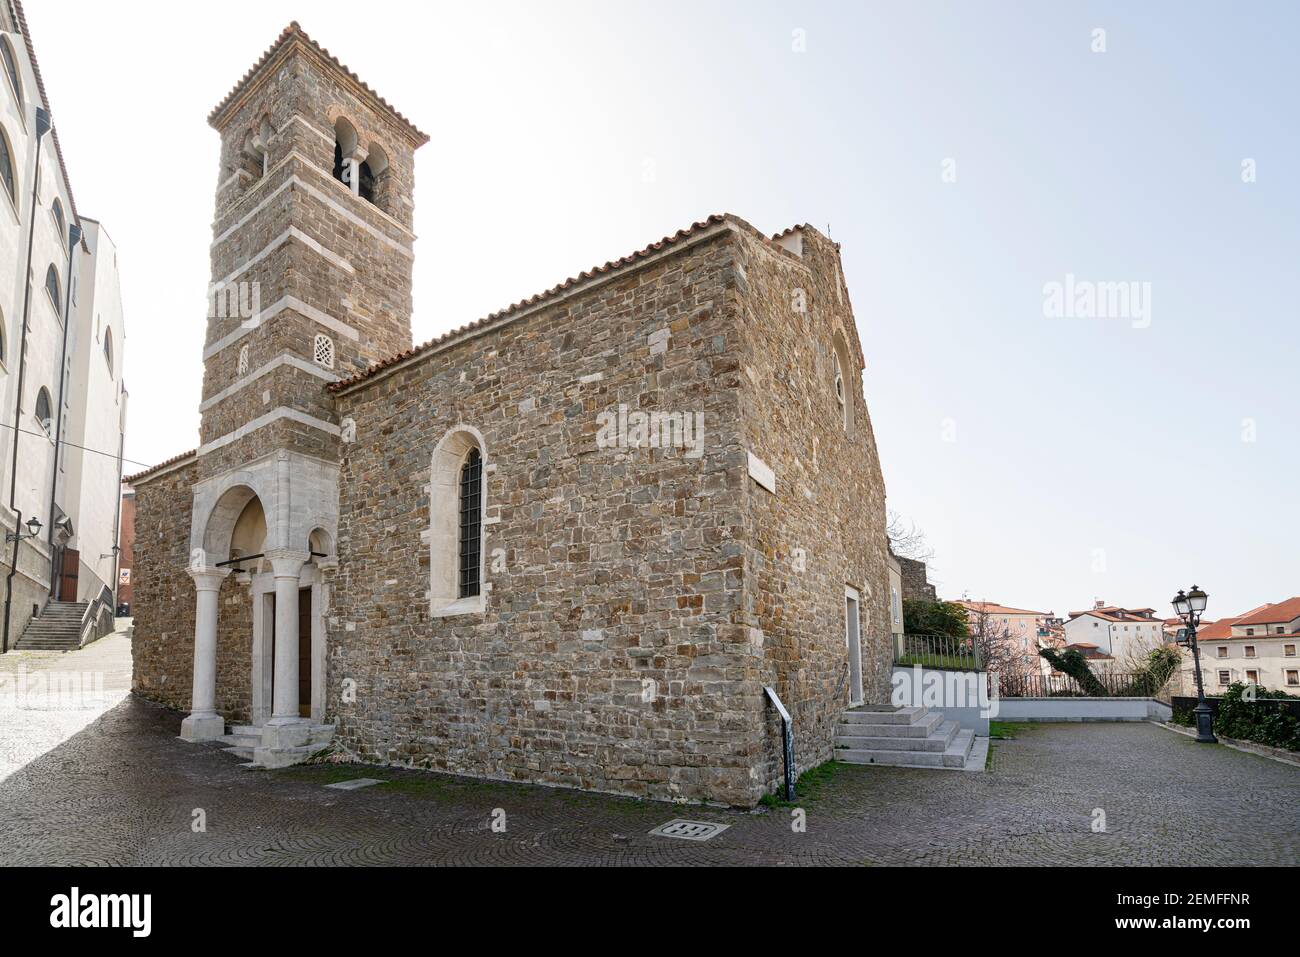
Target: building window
{"type": "Point", "coordinates": [1252, 676]}
{"type": "Point", "coordinates": [843, 397]}
{"type": "Point", "coordinates": [1224, 677]}
{"type": "Point", "coordinates": [7, 168]}
{"type": "Point", "coordinates": [457, 508]}
{"type": "Point", "coordinates": [471, 523]}
{"type": "Point", "coordinates": [1281, 630]}
{"type": "Point", "coordinates": [241, 368]}
{"type": "Point", "coordinates": [322, 352]}
{"type": "Point", "coordinates": [2, 338]}
{"type": "Point", "coordinates": [11, 69]}
{"type": "Point", "coordinates": [108, 349]}
{"type": "Point", "coordinates": [1288, 651]}
{"type": "Point", "coordinates": [44, 411]}
{"type": "Point", "coordinates": [1222, 651]}
{"type": "Point", "coordinates": [1293, 677]}
{"type": "Point", "coordinates": [52, 287]}
{"type": "Point", "coordinates": [1250, 631]}
{"type": "Point", "coordinates": [57, 210]}
{"type": "Point", "coordinates": [1250, 651]}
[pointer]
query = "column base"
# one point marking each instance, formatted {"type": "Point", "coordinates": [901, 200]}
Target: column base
{"type": "Point", "coordinates": [286, 733]}
{"type": "Point", "coordinates": [202, 727]}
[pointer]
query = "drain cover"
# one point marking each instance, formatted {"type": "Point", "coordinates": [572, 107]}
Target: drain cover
{"type": "Point", "coordinates": [354, 783]}
{"type": "Point", "coordinates": [690, 830]}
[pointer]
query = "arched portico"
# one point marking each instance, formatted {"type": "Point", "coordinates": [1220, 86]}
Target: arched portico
{"type": "Point", "coordinates": [241, 528]}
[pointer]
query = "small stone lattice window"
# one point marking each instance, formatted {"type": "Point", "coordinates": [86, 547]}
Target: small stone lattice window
{"type": "Point", "coordinates": [323, 352]}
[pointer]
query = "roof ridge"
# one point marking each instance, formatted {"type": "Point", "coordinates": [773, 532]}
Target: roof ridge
{"type": "Point", "coordinates": [295, 31]}
{"type": "Point", "coordinates": [128, 479]}
{"type": "Point", "coordinates": [593, 272]}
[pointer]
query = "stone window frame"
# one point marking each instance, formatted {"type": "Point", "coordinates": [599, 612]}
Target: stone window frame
{"type": "Point", "coordinates": [11, 70]}
{"type": "Point", "coordinates": [54, 289]}
{"type": "Point", "coordinates": [843, 398]}
{"type": "Point", "coordinates": [443, 533]}
{"type": "Point", "coordinates": [45, 421]}
{"type": "Point", "coordinates": [322, 351]}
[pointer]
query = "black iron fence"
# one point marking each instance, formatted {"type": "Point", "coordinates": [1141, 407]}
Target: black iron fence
{"type": "Point", "coordinates": [1109, 685]}
{"type": "Point", "coordinates": [937, 651]}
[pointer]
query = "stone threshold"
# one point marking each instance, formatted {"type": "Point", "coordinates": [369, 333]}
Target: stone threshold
{"type": "Point", "coordinates": [1280, 755]}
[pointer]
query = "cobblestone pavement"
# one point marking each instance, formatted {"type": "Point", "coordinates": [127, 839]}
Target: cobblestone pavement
{"type": "Point", "coordinates": [121, 789]}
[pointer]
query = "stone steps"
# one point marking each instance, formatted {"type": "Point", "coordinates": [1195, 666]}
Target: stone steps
{"type": "Point", "coordinates": [57, 628]}
{"type": "Point", "coordinates": [902, 737]}
{"type": "Point", "coordinates": [245, 742]}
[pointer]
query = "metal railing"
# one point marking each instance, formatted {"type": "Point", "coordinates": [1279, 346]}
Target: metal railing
{"type": "Point", "coordinates": [1109, 685]}
{"type": "Point", "coordinates": [938, 651]}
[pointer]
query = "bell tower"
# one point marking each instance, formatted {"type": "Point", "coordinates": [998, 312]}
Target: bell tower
{"type": "Point", "coordinates": [312, 254]}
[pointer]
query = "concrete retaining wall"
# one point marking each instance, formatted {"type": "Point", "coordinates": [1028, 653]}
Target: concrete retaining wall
{"type": "Point", "coordinates": [962, 707]}
{"type": "Point", "coordinates": [1082, 709]}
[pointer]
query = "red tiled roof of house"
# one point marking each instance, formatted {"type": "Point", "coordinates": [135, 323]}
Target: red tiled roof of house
{"type": "Point", "coordinates": [993, 608]}
{"type": "Point", "coordinates": [1116, 613]}
{"type": "Point", "coordinates": [594, 272]}
{"type": "Point", "coordinates": [131, 479]}
{"type": "Point", "coordinates": [1278, 614]}
{"type": "Point", "coordinates": [295, 33]}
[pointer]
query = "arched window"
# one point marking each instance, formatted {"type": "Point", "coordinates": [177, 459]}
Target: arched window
{"type": "Point", "coordinates": [2, 337]}
{"type": "Point", "coordinates": [843, 384]}
{"type": "Point", "coordinates": [108, 349]}
{"type": "Point", "coordinates": [457, 506]}
{"type": "Point", "coordinates": [345, 146]}
{"type": "Point", "coordinates": [7, 168]}
{"type": "Point", "coordinates": [11, 68]}
{"type": "Point", "coordinates": [52, 287]}
{"type": "Point", "coordinates": [44, 411]}
{"type": "Point", "coordinates": [372, 173]}
{"type": "Point", "coordinates": [471, 524]}
{"type": "Point", "coordinates": [57, 209]}
{"type": "Point", "coordinates": [322, 352]}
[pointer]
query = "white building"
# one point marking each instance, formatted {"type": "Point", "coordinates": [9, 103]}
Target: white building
{"type": "Point", "coordinates": [70, 298]}
{"type": "Point", "coordinates": [1125, 634]}
{"type": "Point", "coordinates": [1025, 629]}
{"type": "Point", "coordinates": [1258, 647]}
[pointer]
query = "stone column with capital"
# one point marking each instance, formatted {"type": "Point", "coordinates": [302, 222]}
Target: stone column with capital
{"type": "Point", "coordinates": [354, 169]}
{"type": "Point", "coordinates": [203, 723]}
{"type": "Point", "coordinates": [287, 570]}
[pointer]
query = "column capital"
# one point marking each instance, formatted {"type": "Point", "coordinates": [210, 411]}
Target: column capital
{"type": "Point", "coordinates": [287, 563]}
{"type": "Point", "coordinates": [208, 578]}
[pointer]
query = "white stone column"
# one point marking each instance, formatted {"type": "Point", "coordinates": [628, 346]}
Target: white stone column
{"type": "Point", "coordinates": [203, 723]}
{"type": "Point", "coordinates": [287, 569]}
{"type": "Point", "coordinates": [354, 169]}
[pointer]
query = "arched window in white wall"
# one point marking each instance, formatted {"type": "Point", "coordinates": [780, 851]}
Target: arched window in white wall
{"type": "Point", "coordinates": [57, 209]}
{"type": "Point", "coordinates": [52, 287]}
{"type": "Point", "coordinates": [2, 337]}
{"type": "Point", "coordinates": [11, 69]}
{"type": "Point", "coordinates": [322, 351]}
{"type": "Point", "coordinates": [457, 507]}
{"type": "Point", "coordinates": [7, 168]}
{"type": "Point", "coordinates": [44, 410]}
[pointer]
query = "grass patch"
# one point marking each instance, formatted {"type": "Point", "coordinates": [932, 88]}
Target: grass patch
{"type": "Point", "coordinates": [948, 662]}
{"type": "Point", "coordinates": [326, 773]}
{"type": "Point", "coordinates": [807, 788]}
{"type": "Point", "coordinates": [1006, 730]}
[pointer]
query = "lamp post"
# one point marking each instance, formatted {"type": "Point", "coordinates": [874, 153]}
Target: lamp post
{"type": "Point", "coordinates": [33, 530]}
{"type": "Point", "coordinates": [1189, 606]}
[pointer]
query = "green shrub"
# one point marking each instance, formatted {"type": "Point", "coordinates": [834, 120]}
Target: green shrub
{"type": "Point", "coordinates": [1262, 720]}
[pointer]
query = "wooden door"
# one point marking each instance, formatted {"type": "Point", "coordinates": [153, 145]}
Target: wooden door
{"type": "Point", "coordinates": [68, 573]}
{"type": "Point", "coordinates": [304, 652]}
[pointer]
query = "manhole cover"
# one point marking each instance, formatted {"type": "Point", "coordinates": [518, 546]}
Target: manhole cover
{"type": "Point", "coordinates": [354, 783]}
{"type": "Point", "coordinates": [690, 830]}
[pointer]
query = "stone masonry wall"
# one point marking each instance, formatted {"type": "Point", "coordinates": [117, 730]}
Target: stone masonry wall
{"type": "Point", "coordinates": [610, 656]}
{"type": "Point", "coordinates": [823, 528]}
{"type": "Point", "coordinates": [162, 648]}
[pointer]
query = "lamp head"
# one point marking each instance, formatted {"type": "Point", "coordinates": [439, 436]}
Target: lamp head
{"type": "Point", "coordinates": [34, 526]}
{"type": "Point", "coordinates": [1197, 599]}
{"type": "Point", "coordinates": [1181, 604]}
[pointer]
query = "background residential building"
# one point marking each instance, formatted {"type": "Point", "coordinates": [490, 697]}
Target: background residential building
{"type": "Point", "coordinates": [1026, 631]}
{"type": "Point", "coordinates": [1257, 647]}
{"type": "Point", "coordinates": [1125, 634]}
{"type": "Point", "coordinates": [61, 432]}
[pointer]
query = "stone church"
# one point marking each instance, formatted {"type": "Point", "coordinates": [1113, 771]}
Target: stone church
{"type": "Point", "coordinates": [570, 543]}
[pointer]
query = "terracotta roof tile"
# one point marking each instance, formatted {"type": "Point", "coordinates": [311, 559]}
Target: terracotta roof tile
{"type": "Point", "coordinates": [130, 479]}
{"type": "Point", "coordinates": [21, 18]}
{"type": "Point", "coordinates": [540, 297]}
{"type": "Point", "coordinates": [293, 32]}
{"type": "Point", "coordinates": [1277, 614]}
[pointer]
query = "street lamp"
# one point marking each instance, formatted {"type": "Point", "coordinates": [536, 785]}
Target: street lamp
{"type": "Point", "coordinates": [1189, 607]}
{"type": "Point", "coordinates": [33, 529]}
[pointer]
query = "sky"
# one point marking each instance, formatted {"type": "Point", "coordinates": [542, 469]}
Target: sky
{"type": "Point", "coordinates": [966, 156]}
